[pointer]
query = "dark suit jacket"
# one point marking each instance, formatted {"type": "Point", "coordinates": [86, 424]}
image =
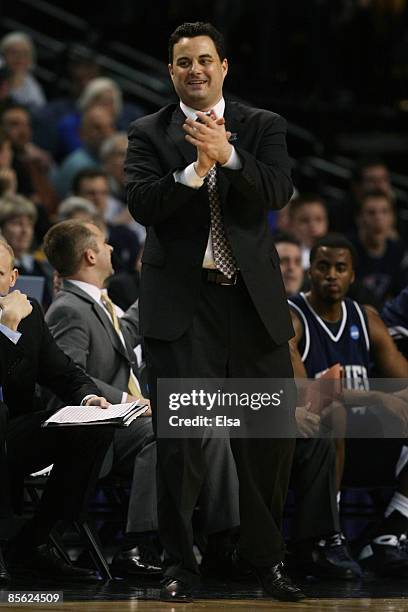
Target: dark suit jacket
{"type": "Point", "coordinates": [36, 359]}
{"type": "Point", "coordinates": [178, 217]}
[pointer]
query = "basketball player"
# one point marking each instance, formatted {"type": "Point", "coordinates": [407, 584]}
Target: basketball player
{"type": "Point", "coordinates": [331, 328]}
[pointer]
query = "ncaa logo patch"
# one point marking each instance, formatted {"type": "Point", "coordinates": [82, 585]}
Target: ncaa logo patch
{"type": "Point", "coordinates": [354, 332]}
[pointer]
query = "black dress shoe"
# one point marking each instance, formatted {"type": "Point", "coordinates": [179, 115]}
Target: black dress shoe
{"type": "Point", "coordinates": [4, 575]}
{"type": "Point", "coordinates": [175, 590]}
{"type": "Point", "coordinates": [275, 582]}
{"type": "Point", "coordinates": [133, 563]}
{"type": "Point", "coordinates": [45, 561]}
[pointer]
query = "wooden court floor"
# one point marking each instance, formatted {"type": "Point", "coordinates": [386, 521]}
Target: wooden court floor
{"type": "Point", "coordinates": [310, 605]}
{"type": "Point", "coordinates": [371, 593]}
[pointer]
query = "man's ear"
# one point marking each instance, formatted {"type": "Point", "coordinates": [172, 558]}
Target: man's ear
{"type": "Point", "coordinates": [13, 277]}
{"type": "Point", "coordinates": [171, 71]}
{"type": "Point", "coordinates": [89, 255]}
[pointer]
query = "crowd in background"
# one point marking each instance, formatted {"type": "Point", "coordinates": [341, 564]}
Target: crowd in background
{"type": "Point", "coordinates": [63, 159]}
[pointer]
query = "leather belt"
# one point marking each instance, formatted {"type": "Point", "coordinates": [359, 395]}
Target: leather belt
{"type": "Point", "coordinates": [214, 276]}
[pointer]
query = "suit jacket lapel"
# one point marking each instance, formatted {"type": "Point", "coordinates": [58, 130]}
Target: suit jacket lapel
{"type": "Point", "coordinates": [100, 314]}
{"type": "Point", "coordinates": [177, 134]}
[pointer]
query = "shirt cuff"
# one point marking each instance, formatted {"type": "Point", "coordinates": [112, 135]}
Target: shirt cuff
{"type": "Point", "coordinates": [14, 336]}
{"type": "Point", "coordinates": [234, 162]}
{"type": "Point", "coordinates": [124, 398]}
{"type": "Point", "coordinates": [86, 398]}
{"type": "Point", "coordinates": [188, 177]}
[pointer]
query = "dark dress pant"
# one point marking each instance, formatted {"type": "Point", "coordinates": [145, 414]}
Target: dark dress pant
{"type": "Point", "coordinates": [76, 454]}
{"type": "Point", "coordinates": [313, 482]}
{"type": "Point", "coordinates": [5, 506]}
{"type": "Point", "coordinates": [226, 339]}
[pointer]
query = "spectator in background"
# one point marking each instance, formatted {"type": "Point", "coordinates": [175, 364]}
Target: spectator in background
{"type": "Point", "coordinates": [17, 219]}
{"type": "Point", "coordinates": [290, 256]}
{"type": "Point", "coordinates": [19, 56]}
{"type": "Point", "coordinates": [33, 166]}
{"type": "Point", "coordinates": [96, 126]}
{"type": "Point", "coordinates": [75, 207]}
{"type": "Point", "coordinates": [368, 175]}
{"type": "Point", "coordinates": [113, 153]}
{"type": "Point", "coordinates": [93, 186]}
{"type": "Point", "coordinates": [308, 221]}
{"type": "Point", "coordinates": [100, 91]}
{"type": "Point", "coordinates": [80, 67]}
{"type": "Point", "coordinates": [382, 265]}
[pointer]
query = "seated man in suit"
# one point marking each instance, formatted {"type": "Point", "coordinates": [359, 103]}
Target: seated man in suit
{"type": "Point", "coordinates": [100, 338]}
{"type": "Point", "coordinates": [5, 509]}
{"type": "Point", "coordinates": [29, 356]}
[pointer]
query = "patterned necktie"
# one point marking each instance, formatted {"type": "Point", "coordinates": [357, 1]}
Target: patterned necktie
{"type": "Point", "coordinates": [133, 387]}
{"type": "Point", "coordinates": [222, 252]}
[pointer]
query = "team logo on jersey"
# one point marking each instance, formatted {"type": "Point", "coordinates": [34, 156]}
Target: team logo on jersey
{"type": "Point", "coordinates": [354, 332]}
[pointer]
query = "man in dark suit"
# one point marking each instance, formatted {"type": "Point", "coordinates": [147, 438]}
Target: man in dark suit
{"type": "Point", "coordinates": [202, 175]}
{"type": "Point", "coordinates": [29, 356]}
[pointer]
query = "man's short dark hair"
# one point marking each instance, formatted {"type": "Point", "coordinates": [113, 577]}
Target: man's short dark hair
{"type": "Point", "coordinates": [10, 106]}
{"type": "Point", "coordinates": [279, 237]}
{"type": "Point", "coordinates": [303, 200]}
{"type": "Point", "coordinates": [373, 194]}
{"type": "Point", "coordinates": [363, 164]}
{"type": "Point", "coordinates": [197, 28]}
{"type": "Point", "coordinates": [65, 244]}
{"type": "Point", "coordinates": [86, 173]}
{"type": "Point", "coordinates": [334, 241]}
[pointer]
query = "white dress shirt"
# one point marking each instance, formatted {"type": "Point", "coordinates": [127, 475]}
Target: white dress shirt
{"type": "Point", "coordinates": [190, 178]}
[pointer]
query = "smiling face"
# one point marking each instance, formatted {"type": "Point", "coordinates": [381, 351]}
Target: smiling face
{"type": "Point", "coordinates": [331, 274]}
{"type": "Point", "coordinates": [198, 72]}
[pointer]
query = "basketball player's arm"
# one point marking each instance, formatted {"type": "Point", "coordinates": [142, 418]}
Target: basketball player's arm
{"type": "Point", "coordinates": [390, 362]}
{"type": "Point", "coordinates": [297, 363]}
{"type": "Point", "coordinates": [308, 423]}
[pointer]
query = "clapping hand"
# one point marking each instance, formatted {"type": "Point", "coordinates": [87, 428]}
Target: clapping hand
{"type": "Point", "coordinates": [210, 138]}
